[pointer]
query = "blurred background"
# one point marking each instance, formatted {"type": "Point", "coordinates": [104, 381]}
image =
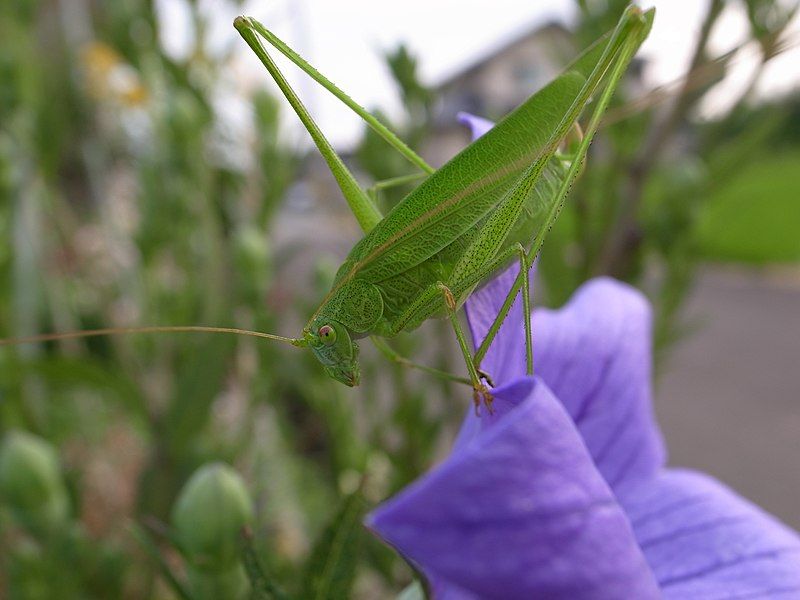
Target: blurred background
{"type": "Point", "coordinates": [150, 174]}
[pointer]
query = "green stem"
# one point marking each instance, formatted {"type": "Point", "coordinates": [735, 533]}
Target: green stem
{"type": "Point", "coordinates": [153, 552]}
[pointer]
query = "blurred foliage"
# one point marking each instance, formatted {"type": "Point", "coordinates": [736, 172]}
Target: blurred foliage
{"type": "Point", "coordinates": [131, 195]}
{"type": "Point", "coordinates": [729, 227]}
{"type": "Point", "coordinates": [664, 191]}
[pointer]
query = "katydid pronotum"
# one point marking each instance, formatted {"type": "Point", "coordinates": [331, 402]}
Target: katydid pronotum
{"type": "Point", "coordinates": [492, 204]}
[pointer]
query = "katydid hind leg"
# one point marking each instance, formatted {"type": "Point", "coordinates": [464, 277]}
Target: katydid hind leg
{"type": "Point", "coordinates": [467, 276]}
{"type": "Point", "coordinates": [364, 209]}
{"type": "Point", "coordinates": [362, 203]}
{"type": "Point", "coordinates": [522, 281]}
{"type": "Point", "coordinates": [382, 130]}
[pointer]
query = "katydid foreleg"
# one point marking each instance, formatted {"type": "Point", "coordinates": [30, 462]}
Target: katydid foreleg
{"type": "Point", "coordinates": [394, 356]}
{"type": "Point", "coordinates": [480, 392]}
{"type": "Point", "coordinates": [486, 254]}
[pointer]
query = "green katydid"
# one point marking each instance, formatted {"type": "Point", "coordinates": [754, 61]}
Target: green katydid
{"type": "Point", "coordinates": [491, 204]}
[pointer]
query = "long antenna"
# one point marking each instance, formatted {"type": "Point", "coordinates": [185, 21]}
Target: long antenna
{"type": "Point", "coordinates": [155, 329]}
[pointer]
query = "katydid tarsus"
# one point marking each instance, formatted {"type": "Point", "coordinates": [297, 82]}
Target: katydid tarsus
{"type": "Point", "coordinates": [490, 205]}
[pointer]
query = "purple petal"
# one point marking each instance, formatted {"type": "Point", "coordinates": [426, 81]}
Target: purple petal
{"type": "Point", "coordinates": [519, 512]}
{"type": "Point", "coordinates": [477, 125]}
{"type": "Point", "coordinates": [506, 398]}
{"type": "Point", "coordinates": [595, 354]}
{"type": "Point", "coordinates": [704, 541]}
{"type": "Point", "coordinates": [446, 590]}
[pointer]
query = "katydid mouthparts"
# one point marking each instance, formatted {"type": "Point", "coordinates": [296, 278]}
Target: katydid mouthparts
{"type": "Point", "coordinates": [490, 205]}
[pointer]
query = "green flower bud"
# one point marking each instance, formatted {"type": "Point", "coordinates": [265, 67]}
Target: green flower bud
{"type": "Point", "coordinates": [209, 515]}
{"type": "Point", "coordinates": [31, 484]}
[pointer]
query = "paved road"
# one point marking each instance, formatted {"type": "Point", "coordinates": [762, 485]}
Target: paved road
{"type": "Point", "coordinates": [729, 400]}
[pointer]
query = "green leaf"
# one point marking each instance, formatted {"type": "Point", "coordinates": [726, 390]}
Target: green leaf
{"type": "Point", "coordinates": [262, 587]}
{"type": "Point", "coordinates": [63, 372]}
{"type": "Point", "coordinates": [200, 381]}
{"type": "Point", "coordinates": [331, 569]}
{"type": "Point", "coordinates": [154, 553]}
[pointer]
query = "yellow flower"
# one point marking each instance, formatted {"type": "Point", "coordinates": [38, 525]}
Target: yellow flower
{"type": "Point", "coordinates": [110, 78]}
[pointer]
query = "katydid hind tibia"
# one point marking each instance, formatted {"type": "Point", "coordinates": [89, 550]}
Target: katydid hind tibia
{"type": "Point", "coordinates": [491, 204]}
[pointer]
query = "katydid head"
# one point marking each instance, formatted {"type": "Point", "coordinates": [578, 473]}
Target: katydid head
{"type": "Point", "coordinates": [331, 343]}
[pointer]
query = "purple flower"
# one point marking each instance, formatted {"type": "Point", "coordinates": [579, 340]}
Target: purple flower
{"type": "Point", "coordinates": [563, 492]}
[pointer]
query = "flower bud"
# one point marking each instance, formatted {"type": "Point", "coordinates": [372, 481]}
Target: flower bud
{"type": "Point", "coordinates": [31, 484]}
{"type": "Point", "coordinates": [209, 515]}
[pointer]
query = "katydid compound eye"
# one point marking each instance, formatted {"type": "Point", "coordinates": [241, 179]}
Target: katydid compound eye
{"type": "Point", "coordinates": [327, 334]}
